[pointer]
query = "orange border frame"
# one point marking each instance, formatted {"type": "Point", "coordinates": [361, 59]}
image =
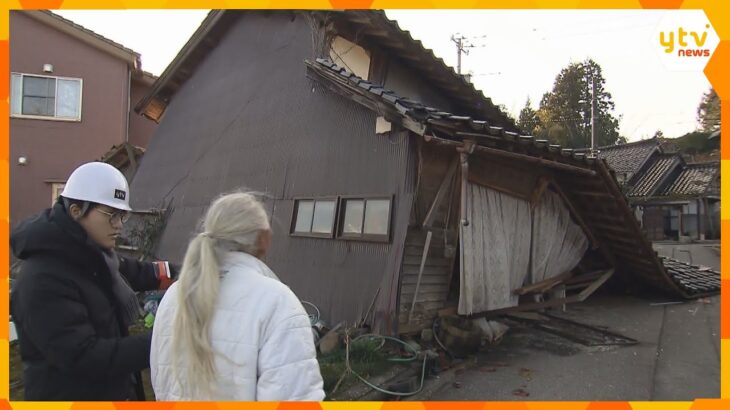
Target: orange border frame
{"type": "Point", "coordinates": [718, 11]}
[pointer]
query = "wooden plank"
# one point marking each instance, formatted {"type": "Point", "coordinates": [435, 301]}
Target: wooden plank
{"type": "Point", "coordinates": [415, 251]}
{"type": "Point", "coordinates": [425, 289]}
{"type": "Point", "coordinates": [547, 163]}
{"type": "Point", "coordinates": [523, 157]}
{"type": "Point", "coordinates": [551, 302]}
{"type": "Point", "coordinates": [410, 270]}
{"type": "Point", "coordinates": [426, 280]}
{"type": "Point", "coordinates": [427, 297]}
{"type": "Point", "coordinates": [544, 285]}
{"type": "Point", "coordinates": [433, 260]}
{"type": "Point", "coordinates": [420, 270]}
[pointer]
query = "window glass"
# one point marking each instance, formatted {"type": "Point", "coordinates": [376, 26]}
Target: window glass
{"type": "Point", "coordinates": [16, 93]}
{"type": "Point", "coordinates": [377, 212]}
{"type": "Point", "coordinates": [39, 96]}
{"type": "Point", "coordinates": [39, 86]}
{"type": "Point", "coordinates": [324, 214]}
{"type": "Point", "coordinates": [69, 96]}
{"type": "Point", "coordinates": [304, 216]}
{"type": "Point", "coordinates": [353, 216]}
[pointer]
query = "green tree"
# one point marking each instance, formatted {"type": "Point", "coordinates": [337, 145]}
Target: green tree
{"type": "Point", "coordinates": [708, 112]}
{"type": "Point", "coordinates": [565, 112]}
{"type": "Point", "coordinates": [528, 120]}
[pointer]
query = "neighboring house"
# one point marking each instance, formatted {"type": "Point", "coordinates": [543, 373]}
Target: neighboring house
{"type": "Point", "coordinates": [125, 157]}
{"type": "Point", "coordinates": [627, 159]}
{"type": "Point", "coordinates": [679, 199]}
{"type": "Point", "coordinates": [71, 96]}
{"type": "Point", "coordinates": [384, 209]}
{"type": "Point", "coordinates": [671, 198]}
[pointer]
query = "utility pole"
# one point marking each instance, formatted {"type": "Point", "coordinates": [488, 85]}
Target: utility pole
{"type": "Point", "coordinates": [461, 47]}
{"type": "Point", "coordinates": [593, 116]}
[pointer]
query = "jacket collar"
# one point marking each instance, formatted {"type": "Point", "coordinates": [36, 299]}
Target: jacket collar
{"type": "Point", "coordinates": [233, 261]}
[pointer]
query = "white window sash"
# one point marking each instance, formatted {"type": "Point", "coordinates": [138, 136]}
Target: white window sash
{"type": "Point", "coordinates": [16, 102]}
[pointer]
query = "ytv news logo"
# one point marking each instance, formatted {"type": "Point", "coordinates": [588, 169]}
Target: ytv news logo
{"type": "Point", "coordinates": [685, 40]}
{"type": "Point", "coordinates": [685, 49]}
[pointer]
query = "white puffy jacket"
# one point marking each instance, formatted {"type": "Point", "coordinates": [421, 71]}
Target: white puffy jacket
{"type": "Point", "coordinates": [260, 332]}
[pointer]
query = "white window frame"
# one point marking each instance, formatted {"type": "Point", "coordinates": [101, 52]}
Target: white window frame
{"type": "Point", "coordinates": [46, 117]}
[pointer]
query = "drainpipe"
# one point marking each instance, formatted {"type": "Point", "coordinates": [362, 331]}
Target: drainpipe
{"type": "Point", "coordinates": [464, 152]}
{"type": "Point", "coordinates": [129, 103]}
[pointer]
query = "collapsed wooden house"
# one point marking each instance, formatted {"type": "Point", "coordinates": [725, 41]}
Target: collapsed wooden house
{"type": "Point", "coordinates": [385, 209]}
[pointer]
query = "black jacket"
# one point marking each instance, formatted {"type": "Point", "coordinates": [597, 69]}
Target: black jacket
{"type": "Point", "coordinates": [72, 342]}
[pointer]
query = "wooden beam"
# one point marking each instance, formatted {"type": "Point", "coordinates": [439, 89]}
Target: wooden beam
{"type": "Point", "coordinates": [132, 159]}
{"type": "Point", "coordinates": [583, 295]}
{"type": "Point", "coordinates": [477, 135]}
{"type": "Point", "coordinates": [547, 163]}
{"type": "Point", "coordinates": [445, 124]}
{"type": "Point", "coordinates": [523, 157]}
{"type": "Point", "coordinates": [420, 274]}
{"type": "Point", "coordinates": [544, 285]}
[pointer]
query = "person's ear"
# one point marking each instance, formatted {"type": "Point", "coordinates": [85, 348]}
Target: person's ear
{"type": "Point", "coordinates": [263, 243]}
{"type": "Point", "coordinates": [75, 212]}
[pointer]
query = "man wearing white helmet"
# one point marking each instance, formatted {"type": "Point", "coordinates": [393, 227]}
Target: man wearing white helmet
{"type": "Point", "coordinates": [74, 297]}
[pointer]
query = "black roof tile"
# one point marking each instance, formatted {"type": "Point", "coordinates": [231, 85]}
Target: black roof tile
{"type": "Point", "coordinates": [694, 180]}
{"type": "Point", "coordinates": [658, 172]}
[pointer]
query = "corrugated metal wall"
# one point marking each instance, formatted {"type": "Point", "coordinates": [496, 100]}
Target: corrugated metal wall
{"type": "Point", "coordinates": [248, 117]}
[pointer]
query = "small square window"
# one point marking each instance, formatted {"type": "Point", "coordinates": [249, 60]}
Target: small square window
{"type": "Point", "coordinates": [365, 219]}
{"type": "Point", "coordinates": [314, 217]}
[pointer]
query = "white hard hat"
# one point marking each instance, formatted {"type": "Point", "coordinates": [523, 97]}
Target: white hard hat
{"type": "Point", "coordinates": [98, 182]}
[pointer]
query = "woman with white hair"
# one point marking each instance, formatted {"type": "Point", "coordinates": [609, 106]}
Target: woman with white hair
{"type": "Point", "coordinates": [228, 329]}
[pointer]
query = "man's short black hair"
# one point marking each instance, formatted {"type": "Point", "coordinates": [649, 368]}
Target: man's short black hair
{"type": "Point", "coordinates": [85, 206]}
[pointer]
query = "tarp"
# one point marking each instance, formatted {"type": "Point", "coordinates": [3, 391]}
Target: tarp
{"type": "Point", "coordinates": [495, 249]}
{"type": "Point", "coordinates": [558, 243]}
{"type": "Point", "coordinates": [502, 235]}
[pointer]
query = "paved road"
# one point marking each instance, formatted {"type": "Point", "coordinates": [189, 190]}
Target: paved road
{"type": "Point", "coordinates": [677, 357]}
